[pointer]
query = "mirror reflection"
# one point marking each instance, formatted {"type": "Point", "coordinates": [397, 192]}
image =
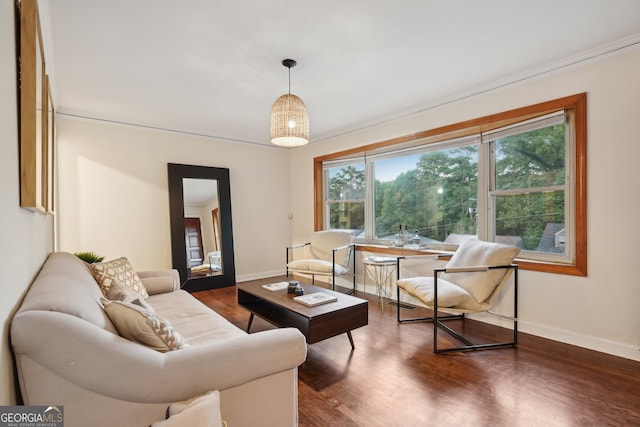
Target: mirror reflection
{"type": "Point", "coordinates": [202, 227]}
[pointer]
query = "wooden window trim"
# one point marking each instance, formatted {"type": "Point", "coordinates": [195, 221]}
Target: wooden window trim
{"type": "Point", "coordinates": [577, 103]}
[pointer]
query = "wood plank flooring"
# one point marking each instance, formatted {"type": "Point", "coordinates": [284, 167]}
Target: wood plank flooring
{"type": "Point", "coordinates": [393, 378]}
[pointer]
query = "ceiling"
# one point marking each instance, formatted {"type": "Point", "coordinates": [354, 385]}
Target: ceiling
{"type": "Point", "coordinates": [213, 67]}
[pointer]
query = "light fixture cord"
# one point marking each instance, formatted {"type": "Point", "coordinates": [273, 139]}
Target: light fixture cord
{"type": "Point", "coordinates": [289, 103]}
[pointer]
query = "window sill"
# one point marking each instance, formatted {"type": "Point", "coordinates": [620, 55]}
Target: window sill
{"type": "Point", "coordinates": [531, 265]}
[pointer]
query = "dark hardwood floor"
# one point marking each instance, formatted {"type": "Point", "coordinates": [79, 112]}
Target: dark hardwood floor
{"type": "Point", "coordinates": [393, 378]}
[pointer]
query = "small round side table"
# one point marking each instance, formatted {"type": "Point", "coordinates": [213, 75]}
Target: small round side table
{"type": "Point", "coordinates": [381, 270]}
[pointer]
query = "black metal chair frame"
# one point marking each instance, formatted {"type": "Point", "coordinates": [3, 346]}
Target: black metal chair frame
{"type": "Point", "coordinates": [350, 257]}
{"type": "Point", "coordinates": [438, 319]}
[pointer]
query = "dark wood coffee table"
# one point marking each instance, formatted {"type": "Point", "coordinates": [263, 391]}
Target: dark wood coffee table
{"type": "Point", "coordinates": [316, 323]}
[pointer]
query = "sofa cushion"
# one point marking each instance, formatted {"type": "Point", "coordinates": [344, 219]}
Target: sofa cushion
{"type": "Point", "coordinates": [66, 284]}
{"type": "Point", "coordinates": [121, 270]}
{"type": "Point", "coordinates": [201, 411]}
{"type": "Point", "coordinates": [197, 323]}
{"type": "Point", "coordinates": [143, 326]}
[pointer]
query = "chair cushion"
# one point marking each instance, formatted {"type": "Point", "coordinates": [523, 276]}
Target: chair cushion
{"type": "Point", "coordinates": [323, 243]}
{"type": "Point", "coordinates": [473, 253]}
{"type": "Point", "coordinates": [315, 265]}
{"type": "Point", "coordinates": [143, 326]}
{"type": "Point", "coordinates": [449, 295]}
{"type": "Point", "coordinates": [120, 269]}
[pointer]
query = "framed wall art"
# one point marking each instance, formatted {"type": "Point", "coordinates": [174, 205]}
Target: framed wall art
{"type": "Point", "coordinates": [37, 134]}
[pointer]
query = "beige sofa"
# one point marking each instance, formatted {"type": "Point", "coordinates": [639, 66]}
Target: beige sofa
{"type": "Point", "coordinates": [69, 353]}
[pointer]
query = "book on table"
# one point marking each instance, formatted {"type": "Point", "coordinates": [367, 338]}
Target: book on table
{"type": "Point", "coordinates": [315, 298]}
{"type": "Point", "coordinates": [276, 286]}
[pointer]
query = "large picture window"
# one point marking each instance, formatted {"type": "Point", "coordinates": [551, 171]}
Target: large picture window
{"type": "Point", "coordinates": [516, 178]}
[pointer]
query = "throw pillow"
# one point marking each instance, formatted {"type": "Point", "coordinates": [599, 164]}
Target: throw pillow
{"type": "Point", "coordinates": [316, 265]}
{"type": "Point", "coordinates": [143, 326]}
{"type": "Point", "coordinates": [121, 270]}
{"type": "Point", "coordinates": [201, 411]}
{"type": "Point", "coordinates": [475, 253]}
{"type": "Point", "coordinates": [449, 295]}
{"type": "Point", "coordinates": [118, 292]}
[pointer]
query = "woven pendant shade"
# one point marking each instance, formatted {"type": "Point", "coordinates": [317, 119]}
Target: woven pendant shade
{"type": "Point", "coordinates": [289, 122]}
{"type": "Point", "coordinates": [289, 117]}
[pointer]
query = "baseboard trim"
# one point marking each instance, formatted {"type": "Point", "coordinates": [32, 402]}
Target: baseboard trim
{"type": "Point", "coordinates": [256, 276]}
{"type": "Point", "coordinates": [591, 342]}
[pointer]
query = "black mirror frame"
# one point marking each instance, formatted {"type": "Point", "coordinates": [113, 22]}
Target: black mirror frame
{"type": "Point", "coordinates": [176, 172]}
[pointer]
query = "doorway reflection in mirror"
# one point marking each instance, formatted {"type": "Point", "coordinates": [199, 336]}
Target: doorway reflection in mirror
{"type": "Point", "coordinates": [202, 227]}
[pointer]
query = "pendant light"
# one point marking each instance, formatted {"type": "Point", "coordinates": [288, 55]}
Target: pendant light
{"type": "Point", "coordinates": [289, 117]}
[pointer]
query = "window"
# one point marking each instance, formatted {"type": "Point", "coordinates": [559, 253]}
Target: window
{"type": "Point", "coordinates": [430, 192]}
{"type": "Point", "coordinates": [516, 177]}
{"type": "Point", "coordinates": [529, 186]}
{"type": "Point", "coordinates": [345, 190]}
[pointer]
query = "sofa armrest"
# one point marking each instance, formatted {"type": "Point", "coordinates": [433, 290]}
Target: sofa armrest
{"type": "Point", "coordinates": [160, 281]}
{"type": "Point", "coordinates": [229, 363]}
{"type": "Point", "coordinates": [107, 364]}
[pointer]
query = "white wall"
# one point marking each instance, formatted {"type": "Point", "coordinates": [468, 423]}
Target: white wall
{"type": "Point", "coordinates": [25, 237]}
{"type": "Point", "coordinates": [599, 311]}
{"type": "Point", "coordinates": [113, 193]}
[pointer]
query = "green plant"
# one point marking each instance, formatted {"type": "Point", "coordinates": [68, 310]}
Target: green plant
{"type": "Point", "coordinates": [90, 257]}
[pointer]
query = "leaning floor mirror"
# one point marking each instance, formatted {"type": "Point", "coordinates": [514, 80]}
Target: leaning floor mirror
{"type": "Point", "coordinates": [201, 232]}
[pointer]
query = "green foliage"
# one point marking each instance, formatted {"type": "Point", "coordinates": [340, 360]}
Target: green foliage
{"type": "Point", "coordinates": [439, 196]}
{"type": "Point", "coordinates": [89, 257]}
{"type": "Point", "coordinates": [433, 199]}
{"type": "Point", "coordinates": [531, 159]}
{"type": "Point", "coordinates": [348, 184]}
{"type": "Point", "coordinates": [347, 187]}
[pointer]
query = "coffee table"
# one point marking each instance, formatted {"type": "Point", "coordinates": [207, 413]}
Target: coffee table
{"type": "Point", "coordinates": [316, 323]}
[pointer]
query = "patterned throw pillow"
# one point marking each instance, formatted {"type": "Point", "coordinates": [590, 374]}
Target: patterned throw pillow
{"type": "Point", "coordinates": [143, 326]}
{"type": "Point", "coordinates": [118, 269]}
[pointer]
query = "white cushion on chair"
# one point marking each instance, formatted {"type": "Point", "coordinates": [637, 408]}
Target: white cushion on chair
{"type": "Point", "coordinates": [449, 295]}
{"type": "Point", "coordinates": [323, 243]}
{"type": "Point", "coordinates": [316, 265]}
{"type": "Point", "coordinates": [479, 253]}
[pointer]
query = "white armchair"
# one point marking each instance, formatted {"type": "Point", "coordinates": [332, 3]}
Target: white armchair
{"type": "Point", "coordinates": [469, 283]}
{"type": "Point", "coordinates": [329, 253]}
{"type": "Point", "coordinates": [211, 265]}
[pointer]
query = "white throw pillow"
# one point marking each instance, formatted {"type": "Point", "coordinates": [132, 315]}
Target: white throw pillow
{"type": "Point", "coordinates": [474, 253]}
{"type": "Point", "coordinates": [449, 295]}
{"type": "Point", "coordinates": [118, 292]}
{"type": "Point", "coordinates": [316, 265]}
{"type": "Point", "coordinates": [143, 326]}
{"type": "Point", "coordinates": [202, 411]}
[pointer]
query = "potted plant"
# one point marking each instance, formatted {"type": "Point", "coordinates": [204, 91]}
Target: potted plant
{"type": "Point", "coordinates": [89, 257]}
